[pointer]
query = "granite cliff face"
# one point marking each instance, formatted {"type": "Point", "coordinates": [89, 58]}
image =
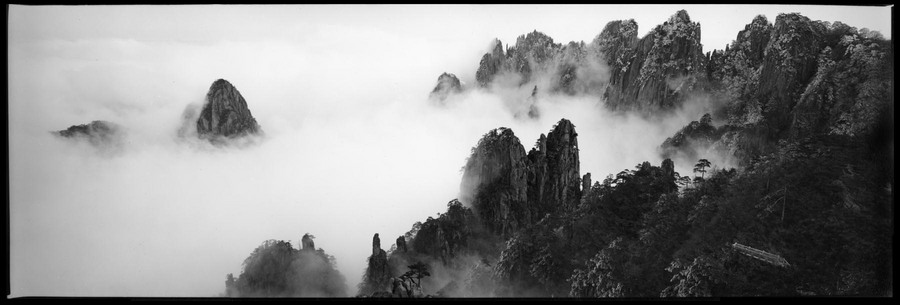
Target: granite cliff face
{"type": "Point", "coordinates": [789, 63]}
{"type": "Point", "coordinates": [553, 171]}
{"type": "Point", "coordinates": [658, 70]}
{"type": "Point", "coordinates": [225, 114]}
{"type": "Point", "coordinates": [510, 190]}
{"type": "Point", "coordinates": [494, 181]}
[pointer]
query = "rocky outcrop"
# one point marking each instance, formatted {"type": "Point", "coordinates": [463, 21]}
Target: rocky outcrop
{"type": "Point", "coordinates": [553, 171]}
{"type": "Point", "coordinates": [378, 273]}
{"type": "Point", "coordinates": [571, 68]}
{"type": "Point", "coordinates": [225, 114]}
{"type": "Point", "coordinates": [851, 87]}
{"type": "Point", "coordinates": [789, 64]}
{"type": "Point", "coordinates": [491, 64]}
{"type": "Point", "coordinates": [735, 71]}
{"type": "Point", "coordinates": [616, 44]}
{"type": "Point", "coordinates": [97, 133]}
{"type": "Point", "coordinates": [447, 84]}
{"type": "Point", "coordinates": [796, 78]}
{"type": "Point", "coordinates": [401, 245]}
{"type": "Point", "coordinates": [510, 190]}
{"type": "Point", "coordinates": [494, 181]}
{"type": "Point", "coordinates": [659, 70]}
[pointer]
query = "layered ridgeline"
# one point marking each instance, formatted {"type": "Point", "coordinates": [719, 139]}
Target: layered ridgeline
{"type": "Point", "coordinates": [654, 73]}
{"type": "Point", "coordinates": [224, 116]}
{"type": "Point", "coordinates": [792, 79]}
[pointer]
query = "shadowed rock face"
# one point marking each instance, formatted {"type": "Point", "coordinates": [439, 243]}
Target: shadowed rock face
{"type": "Point", "coordinates": [562, 184]}
{"type": "Point", "coordinates": [510, 190]}
{"type": "Point", "coordinates": [494, 181]}
{"type": "Point", "coordinates": [225, 113]}
{"type": "Point", "coordinates": [789, 64]}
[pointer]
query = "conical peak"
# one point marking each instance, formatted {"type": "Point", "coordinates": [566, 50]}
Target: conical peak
{"type": "Point", "coordinates": [221, 83]}
{"type": "Point", "coordinates": [564, 126]}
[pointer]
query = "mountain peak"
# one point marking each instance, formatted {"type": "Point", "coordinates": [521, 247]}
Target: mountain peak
{"type": "Point", "coordinates": [225, 113]}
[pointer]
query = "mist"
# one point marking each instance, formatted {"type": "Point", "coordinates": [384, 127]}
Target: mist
{"type": "Point", "coordinates": [352, 145]}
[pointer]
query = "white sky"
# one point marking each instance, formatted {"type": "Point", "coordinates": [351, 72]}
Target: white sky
{"type": "Point", "coordinates": [354, 148]}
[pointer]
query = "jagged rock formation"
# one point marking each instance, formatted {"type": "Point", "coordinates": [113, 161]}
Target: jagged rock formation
{"type": "Point", "coordinates": [491, 64]}
{"type": "Point", "coordinates": [789, 63]}
{"type": "Point", "coordinates": [656, 71]}
{"type": "Point", "coordinates": [225, 114]}
{"type": "Point", "coordinates": [447, 84]}
{"type": "Point", "coordinates": [554, 178]}
{"type": "Point", "coordinates": [794, 79]}
{"type": "Point", "coordinates": [101, 134]}
{"type": "Point", "coordinates": [494, 181]}
{"type": "Point", "coordinates": [848, 93]}
{"type": "Point", "coordinates": [509, 189]}
{"type": "Point", "coordinates": [570, 68]}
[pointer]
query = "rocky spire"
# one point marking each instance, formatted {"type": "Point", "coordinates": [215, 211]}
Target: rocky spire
{"type": "Point", "coordinates": [563, 188]}
{"type": "Point", "coordinates": [307, 242]}
{"type": "Point", "coordinates": [376, 244]}
{"type": "Point", "coordinates": [377, 276]}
